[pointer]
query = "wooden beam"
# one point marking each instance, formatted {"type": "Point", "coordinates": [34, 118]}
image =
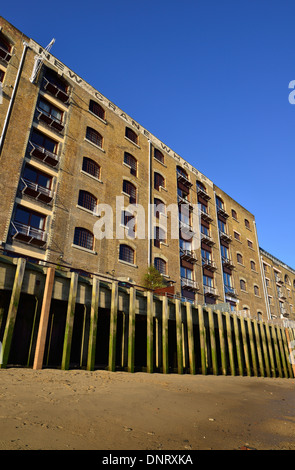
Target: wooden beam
{"type": "Point", "coordinates": [69, 322]}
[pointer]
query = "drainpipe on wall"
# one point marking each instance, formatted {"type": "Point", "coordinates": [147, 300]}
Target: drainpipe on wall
{"type": "Point", "coordinates": [262, 277]}
{"type": "Point", "coordinates": [16, 83]}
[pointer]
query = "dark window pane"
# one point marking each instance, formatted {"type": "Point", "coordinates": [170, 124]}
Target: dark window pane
{"type": "Point", "coordinates": [94, 136]}
{"type": "Point", "coordinates": [89, 166]}
{"type": "Point", "coordinates": [126, 254]}
{"type": "Point", "coordinates": [83, 237]}
{"type": "Point", "coordinates": [95, 108]}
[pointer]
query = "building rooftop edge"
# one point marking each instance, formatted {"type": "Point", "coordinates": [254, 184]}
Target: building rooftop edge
{"type": "Point", "coordinates": [277, 260]}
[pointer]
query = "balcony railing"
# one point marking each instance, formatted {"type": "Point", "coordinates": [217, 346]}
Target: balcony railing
{"type": "Point", "coordinates": [188, 255]}
{"type": "Point", "coordinates": [211, 291]}
{"type": "Point", "coordinates": [4, 54]}
{"type": "Point", "coordinates": [225, 236]}
{"type": "Point", "coordinates": [189, 284]}
{"type": "Point", "coordinates": [36, 191]}
{"type": "Point", "coordinates": [55, 90]}
{"type": "Point", "coordinates": [207, 238]}
{"type": "Point", "coordinates": [203, 193]}
{"type": "Point", "coordinates": [43, 154]}
{"type": "Point", "coordinates": [278, 279]}
{"type": "Point", "coordinates": [29, 234]}
{"type": "Point", "coordinates": [184, 180]}
{"type": "Point", "coordinates": [182, 200]}
{"type": "Point", "coordinates": [50, 120]}
{"type": "Point", "coordinates": [205, 214]}
{"type": "Point", "coordinates": [228, 290]}
{"type": "Point", "coordinates": [186, 228]}
{"type": "Point", "coordinates": [209, 264]}
{"type": "Point", "coordinates": [221, 211]}
{"type": "Point", "coordinates": [227, 262]}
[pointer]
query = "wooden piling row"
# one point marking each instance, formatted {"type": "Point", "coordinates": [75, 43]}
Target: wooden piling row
{"type": "Point", "coordinates": [207, 341]}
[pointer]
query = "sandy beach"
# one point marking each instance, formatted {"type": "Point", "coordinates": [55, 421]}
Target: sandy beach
{"type": "Point", "coordinates": [64, 410]}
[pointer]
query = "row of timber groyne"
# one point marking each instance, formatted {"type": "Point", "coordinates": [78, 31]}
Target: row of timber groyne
{"type": "Point", "coordinates": [59, 319]}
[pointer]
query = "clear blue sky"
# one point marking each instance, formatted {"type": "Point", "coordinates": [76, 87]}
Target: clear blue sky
{"type": "Point", "coordinates": [209, 78]}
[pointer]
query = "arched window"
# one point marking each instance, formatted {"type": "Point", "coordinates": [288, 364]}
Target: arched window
{"type": "Point", "coordinates": [126, 254]}
{"type": "Point", "coordinates": [219, 202]}
{"type": "Point", "coordinates": [5, 48]}
{"type": "Point", "coordinates": [87, 200]}
{"type": "Point", "coordinates": [131, 162]}
{"type": "Point", "coordinates": [159, 180]}
{"type": "Point", "coordinates": [247, 223]}
{"type": "Point", "coordinates": [83, 238]}
{"type": "Point", "coordinates": [158, 155]}
{"type": "Point", "coordinates": [239, 258]}
{"type": "Point", "coordinates": [160, 236]}
{"type": "Point", "coordinates": [242, 284]}
{"type": "Point", "coordinates": [91, 167]}
{"type": "Point", "coordinates": [256, 290]}
{"type": "Point", "coordinates": [94, 136]}
{"type": "Point", "coordinates": [253, 265]}
{"type": "Point", "coordinates": [160, 207]}
{"type": "Point", "coordinates": [287, 280]}
{"type": "Point", "coordinates": [234, 214]}
{"type": "Point", "coordinates": [160, 265]}
{"type": "Point", "coordinates": [130, 189]}
{"type": "Point", "coordinates": [131, 135]}
{"type": "Point", "coordinates": [96, 109]}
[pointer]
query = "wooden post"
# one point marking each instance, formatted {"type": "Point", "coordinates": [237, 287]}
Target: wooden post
{"type": "Point", "coordinates": [165, 334]}
{"type": "Point", "coordinates": [230, 343]}
{"type": "Point", "coordinates": [150, 333]}
{"type": "Point", "coordinates": [277, 353]}
{"type": "Point", "coordinates": [238, 345]}
{"type": "Point", "coordinates": [202, 339]}
{"type": "Point", "coordinates": [258, 347]}
{"type": "Point", "coordinates": [12, 312]}
{"type": "Point", "coordinates": [265, 351]}
{"type": "Point", "coordinates": [286, 350]}
{"type": "Point", "coordinates": [281, 347]}
{"type": "Point", "coordinates": [245, 346]}
{"type": "Point", "coordinates": [291, 349]}
{"type": "Point", "coordinates": [113, 327]}
{"type": "Point", "coordinates": [252, 347]}
{"type": "Point", "coordinates": [93, 323]}
{"type": "Point", "coordinates": [131, 333]}
{"type": "Point", "coordinates": [190, 334]}
{"type": "Point", "coordinates": [222, 343]}
{"type": "Point", "coordinates": [270, 350]}
{"type": "Point", "coordinates": [213, 342]}
{"type": "Point", "coordinates": [43, 324]}
{"type": "Point", "coordinates": [179, 338]}
{"type": "Point", "coordinates": [69, 322]}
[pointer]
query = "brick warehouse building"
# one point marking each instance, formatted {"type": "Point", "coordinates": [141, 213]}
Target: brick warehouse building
{"type": "Point", "coordinates": [58, 136]}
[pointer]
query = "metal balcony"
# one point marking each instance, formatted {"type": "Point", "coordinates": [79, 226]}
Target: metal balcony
{"type": "Point", "coordinates": [205, 214]}
{"type": "Point", "coordinates": [184, 180]}
{"type": "Point", "coordinates": [186, 228]}
{"type": "Point", "coordinates": [55, 90]}
{"type": "Point", "coordinates": [189, 284]}
{"type": "Point", "coordinates": [230, 291]}
{"type": "Point", "coordinates": [209, 264]}
{"type": "Point", "coordinates": [36, 191]}
{"type": "Point", "coordinates": [182, 200]}
{"type": "Point", "coordinates": [203, 193]}
{"type": "Point", "coordinates": [227, 262]}
{"type": "Point", "coordinates": [221, 211]}
{"type": "Point", "coordinates": [207, 238]}
{"type": "Point", "coordinates": [50, 120]}
{"type": "Point", "coordinates": [210, 291]}
{"type": "Point", "coordinates": [28, 234]}
{"type": "Point", "coordinates": [188, 255]}
{"type": "Point", "coordinates": [43, 154]}
{"type": "Point", "coordinates": [225, 236]}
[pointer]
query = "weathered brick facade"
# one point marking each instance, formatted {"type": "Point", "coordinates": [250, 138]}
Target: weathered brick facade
{"type": "Point", "coordinates": [66, 147]}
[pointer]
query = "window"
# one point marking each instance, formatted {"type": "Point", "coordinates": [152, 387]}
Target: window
{"type": "Point", "coordinates": [182, 172]}
{"type": "Point", "coordinates": [206, 255]}
{"type": "Point", "coordinates": [83, 238]}
{"type": "Point", "coordinates": [242, 284]}
{"type": "Point", "coordinates": [37, 177]}
{"type": "Point", "coordinates": [247, 223]}
{"type": "Point", "coordinates": [131, 135]}
{"type": "Point", "coordinates": [253, 265]}
{"type": "Point", "coordinates": [50, 111]}
{"type": "Point", "coordinates": [267, 282]}
{"type": "Point", "coordinates": [237, 236]}
{"type": "Point", "coordinates": [250, 244]}
{"type": "Point", "coordinates": [160, 207]}
{"type": "Point", "coordinates": [234, 214]}
{"type": "Point", "coordinates": [130, 189]}
{"type": "Point", "coordinates": [239, 258]}
{"type": "Point", "coordinates": [256, 290]}
{"type": "Point", "coordinates": [5, 49]}
{"type": "Point", "coordinates": [126, 254]}
{"type": "Point", "coordinates": [207, 281]}
{"type": "Point", "coordinates": [158, 155]}
{"type": "Point", "coordinates": [160, 265]}
{"type": "Point", "coordinates": [1, 76]}
{"type": "Point", "coordinates": [96, 109]}
{"type": "Point", "coordinates": [54, 79]}
{"type": "Point", "coordinates": [185, 245]}
{"type": "Point", "coordinates": [91, 167]}
{"type": "Point", "coordinates": [224, 251]}
{"type": "Point", "coordinates": [30, 218]}
{"type": "Point", "coordinates": [131, 162]}
{"type": "Point", "coordinates": [205, 230]}
{"type": "Point", "coordinates": [186, 273]}
{"type": "Point", "coordinates": [94, 136]}
{"type": "Point", "coordinates": [160, 236]}
{"type": "Point", "coordinates": [158, 181]}
{"type": "Point", "coordinates": [219, 202]}
{"type": "Point", "coordinates": [221, 226]}
{"type": "Point", "coordinates": [227, 279]}
{"type": "Point", "coordinates": [287, 280]}
{"type": "Point", "coordinates": [87, 200]}
{"type": "Point", "coordinates": [43, 141]}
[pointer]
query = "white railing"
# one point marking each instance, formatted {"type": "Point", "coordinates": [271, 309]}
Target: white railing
{"type": "Point", "coordinates": [189, 283]}
{"type": "Point", "coordinates": [44, 151]}
{"type": "Point", "coordinates": [36, 187]}
{"type": "Point", "coordinates": [29, 231]}
{"type": "Point", "coordinates": [210, 290]}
